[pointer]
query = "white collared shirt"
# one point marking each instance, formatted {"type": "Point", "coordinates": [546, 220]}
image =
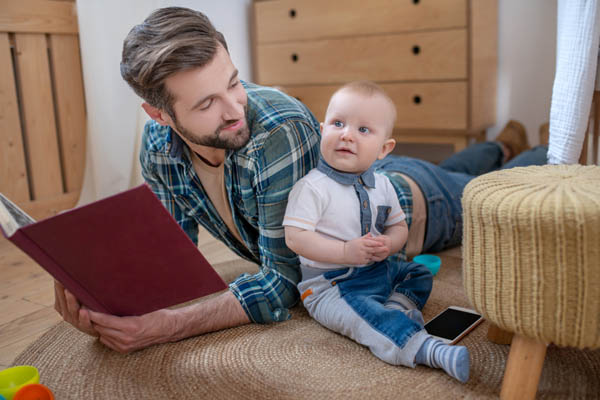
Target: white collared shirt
{"type": "Point", "coordinates": [320, 204]}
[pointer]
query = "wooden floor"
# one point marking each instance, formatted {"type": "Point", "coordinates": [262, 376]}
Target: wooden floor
{"type": "Point", "coordinates": [27, 295]}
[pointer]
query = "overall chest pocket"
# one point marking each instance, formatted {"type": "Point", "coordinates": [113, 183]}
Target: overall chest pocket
{"type": "Point", "coordinates": [382, 214]}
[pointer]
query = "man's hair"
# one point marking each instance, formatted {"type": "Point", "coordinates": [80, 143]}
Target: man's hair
{"type": "Point", "coordinates": [170, 40]}
{"type": "Point", "coordinates": [369, 88]}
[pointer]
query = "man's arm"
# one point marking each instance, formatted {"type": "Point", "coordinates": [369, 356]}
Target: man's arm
{"type": "Point", "coordinates": [127, 334]}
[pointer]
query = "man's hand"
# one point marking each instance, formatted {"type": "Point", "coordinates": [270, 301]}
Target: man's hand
{"type": "Point", "coordinates": [69, 308]}
{"type": "Point", "coordinates": [127, 334]}
{"type": "Point", "coordinates": [361, 250]}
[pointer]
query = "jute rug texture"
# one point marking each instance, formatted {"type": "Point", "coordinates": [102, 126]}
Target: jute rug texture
{"type": "Point", "coordinates": [296, 359]}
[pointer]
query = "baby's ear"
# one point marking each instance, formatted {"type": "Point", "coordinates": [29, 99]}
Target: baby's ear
{"type": "Point", "coordinates": [321, 127]}
{"type": "Point", "coordinates": [387, 148]}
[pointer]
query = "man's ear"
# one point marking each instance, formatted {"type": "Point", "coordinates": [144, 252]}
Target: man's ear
{"type": "Point", "coordinates": [157, 114]}
{"type": "Point", "coordinates": [387, 148]}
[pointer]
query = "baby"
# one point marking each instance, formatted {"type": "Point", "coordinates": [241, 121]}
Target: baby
{"type": "Point", "coordinates": [344, 220]}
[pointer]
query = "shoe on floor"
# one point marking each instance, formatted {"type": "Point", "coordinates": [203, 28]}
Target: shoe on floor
{"type": "Point", "coordinates": [545, 133]}
{"type": "Point", "coordinates": [514, 137]}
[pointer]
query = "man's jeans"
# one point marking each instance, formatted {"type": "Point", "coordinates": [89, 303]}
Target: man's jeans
{"type": "Point", "coordinates": [442, 185]}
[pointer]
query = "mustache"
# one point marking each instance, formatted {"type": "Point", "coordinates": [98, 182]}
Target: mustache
{"type": "Point", "coordinates": [226, 124]}
{"type": "Point", "coordinates": [230, 122]}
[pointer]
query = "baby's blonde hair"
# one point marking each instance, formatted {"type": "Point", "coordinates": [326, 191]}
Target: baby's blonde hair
{"type": "Point", "coordinates": [369, 88]}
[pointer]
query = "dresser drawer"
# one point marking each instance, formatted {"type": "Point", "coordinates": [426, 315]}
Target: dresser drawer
{"type": "Point", "coordinates": [290, 20]}
{"type": "Point", "coordinates": [398, 57]}
{"type": "Point", "coordinates": [436, 105]}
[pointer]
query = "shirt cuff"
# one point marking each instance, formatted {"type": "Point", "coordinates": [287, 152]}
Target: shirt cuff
{"type": "Point", "coordinates": [265, 296]}
{"type": "Point", "coordinates": [299, 223]}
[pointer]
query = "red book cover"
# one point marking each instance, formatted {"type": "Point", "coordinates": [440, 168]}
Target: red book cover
{"type": "Point", "coordinates": [123, 255]}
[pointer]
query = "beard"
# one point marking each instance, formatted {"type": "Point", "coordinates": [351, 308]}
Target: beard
{"type": "Point", "coordinates": [238, 139]}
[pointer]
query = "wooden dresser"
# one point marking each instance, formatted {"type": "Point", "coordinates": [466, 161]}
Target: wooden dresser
{"type": "Point", "coordinates": [437, 59]}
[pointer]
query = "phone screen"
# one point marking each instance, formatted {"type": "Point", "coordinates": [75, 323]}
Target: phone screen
{"type": "Point", "coordinates": [451, 323]}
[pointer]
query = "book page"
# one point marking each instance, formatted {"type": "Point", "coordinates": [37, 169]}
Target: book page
{"type": "Point", "coordinates": [12, 217]}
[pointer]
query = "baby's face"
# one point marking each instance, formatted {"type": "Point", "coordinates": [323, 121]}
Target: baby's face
{"type": "Point", "coordinates": [356, 131]}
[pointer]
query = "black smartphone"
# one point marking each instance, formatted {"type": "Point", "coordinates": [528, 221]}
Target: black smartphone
{"type": "Point", "coordinates": [453, 324]}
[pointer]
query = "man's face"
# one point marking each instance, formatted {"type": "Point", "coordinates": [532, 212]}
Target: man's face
{"type": "Point", "coordinates": [210, 104]}
{"type": "Point", "coordinates": [356, 131]}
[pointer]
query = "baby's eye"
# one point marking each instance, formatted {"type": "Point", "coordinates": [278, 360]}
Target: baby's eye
{"type": "Point", "coordinates": [364, 129]}
{"type": "Point", "coordinates": [338, 124]}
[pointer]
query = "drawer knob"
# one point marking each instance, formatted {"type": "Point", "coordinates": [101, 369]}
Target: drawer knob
{"type": "Point", "coordinates": [415, 2]}
{"type": "Point", "coordinates": [292, 13]}
{"type": "Point", "coordinates": [294, 57]}
{"type": "Point", "coordinates": [417, 99]}
{"type": "Point", "coordinates": [416, 49]}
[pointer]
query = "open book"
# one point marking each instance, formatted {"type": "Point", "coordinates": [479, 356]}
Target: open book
{"type": "Point", "coordinates": [123, 255]}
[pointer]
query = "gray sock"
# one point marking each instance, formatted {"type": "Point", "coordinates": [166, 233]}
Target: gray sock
{"type": "Point", "coordinates": [453, 359]}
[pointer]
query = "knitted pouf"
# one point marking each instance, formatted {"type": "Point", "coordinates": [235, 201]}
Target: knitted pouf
{"type": "Point", "coordinates": [531, 252]}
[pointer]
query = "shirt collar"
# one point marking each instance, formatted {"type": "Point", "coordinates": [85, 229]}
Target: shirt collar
{"type": "Point", "coordinates": [347, 178]}
{"type": "Point", "coordinates": [177, 144]}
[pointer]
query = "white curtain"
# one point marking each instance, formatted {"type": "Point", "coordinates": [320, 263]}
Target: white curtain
{"type": "Point", "coordinates": [578, 39]}
{"type": "Point", "coordinates": [115, 118]}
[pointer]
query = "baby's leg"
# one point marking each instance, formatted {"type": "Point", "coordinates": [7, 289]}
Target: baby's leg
{"type": "Point", "coordinates": [356, 310]}
{"type": "Point", "coordinates": [400, 302]}
{"type": "Point", "coordinates": [412, 284]}
{"type": "Point", "coordinates": [452, 359]}
{"type": "Point", "coordinates": [359, 312]}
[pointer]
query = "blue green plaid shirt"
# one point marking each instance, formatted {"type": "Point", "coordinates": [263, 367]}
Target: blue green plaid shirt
{"type": "Point", "coordinates": [283, 147]}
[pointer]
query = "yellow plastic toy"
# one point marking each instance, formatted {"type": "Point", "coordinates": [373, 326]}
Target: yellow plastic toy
{"type": "Point", "coordinates": [14, 378]}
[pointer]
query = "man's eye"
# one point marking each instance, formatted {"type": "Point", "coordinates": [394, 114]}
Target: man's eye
{"type": "Point", "coordinates": [206, 104]}
{"type": "Point", "coordinates": [234, 83]}
{"type": "Point", "coordinates": [338, 124]}
{"type": "Point", "coordinates": [363, 129]}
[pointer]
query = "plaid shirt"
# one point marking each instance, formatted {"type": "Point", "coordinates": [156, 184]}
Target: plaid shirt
{"type": "Point", "coordinates": [406, 204]}
{"type": "Point", "coordinates": [283, 147]}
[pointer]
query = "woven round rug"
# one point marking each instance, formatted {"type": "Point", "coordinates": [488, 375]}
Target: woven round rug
{"type": "Point", "coordinates": [291, 360]}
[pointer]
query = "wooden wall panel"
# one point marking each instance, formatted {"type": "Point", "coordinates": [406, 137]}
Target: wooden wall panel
{"type": "Point", "coordinates": [38, 115]}
{"type": "Point", "coordinates": [13, 171]}
{"type": "Point", "coordinates": [40, 16]}
{"type": "Point", "coordinates": [70, 107]}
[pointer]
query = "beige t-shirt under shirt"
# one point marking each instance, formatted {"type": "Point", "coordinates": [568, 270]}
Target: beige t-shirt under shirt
{"type": "Point", "coordinates": [213, 181]}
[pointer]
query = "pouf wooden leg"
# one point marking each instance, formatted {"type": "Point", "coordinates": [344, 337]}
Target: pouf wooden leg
{"type": "Point", "coordinates": [498, 335]}
{"type": "Point", "coordinates": [523, 368]}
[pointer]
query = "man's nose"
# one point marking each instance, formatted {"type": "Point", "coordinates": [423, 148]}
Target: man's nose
{"type": "Point", "coordinates": [233, 108]}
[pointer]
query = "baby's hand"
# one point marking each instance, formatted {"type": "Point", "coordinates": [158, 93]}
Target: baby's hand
{"type": "Point", "coordinates": [361, 250]}
{"type": "Point", "coordinates": [382, 251]}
